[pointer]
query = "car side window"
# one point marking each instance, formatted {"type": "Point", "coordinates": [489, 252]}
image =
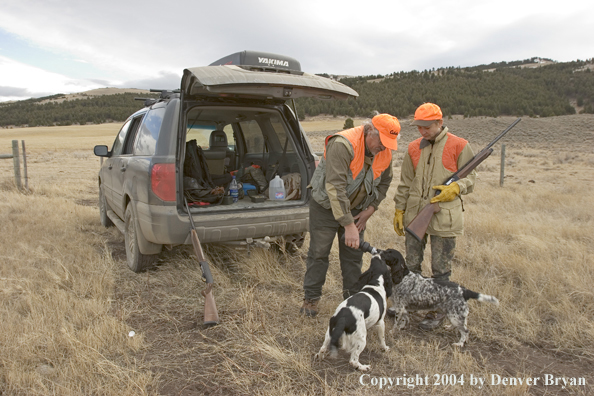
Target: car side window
{"type": "Point", "coordinates": [228, 129]}
{"type": "Point", "coordinates": [118, 144]}
{"type": "Point", "coordinates": [148, 134]}
{"type": "Point", "coordinates": [132, 132]}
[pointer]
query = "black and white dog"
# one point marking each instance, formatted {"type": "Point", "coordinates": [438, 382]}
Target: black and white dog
{"type": "Point", "coordinates": [367, 308]}
{"type": "Point", "coordinates": [414, 292]}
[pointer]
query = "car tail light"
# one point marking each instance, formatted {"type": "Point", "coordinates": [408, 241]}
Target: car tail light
{"type": "Point", "coordinates": [163, 181]}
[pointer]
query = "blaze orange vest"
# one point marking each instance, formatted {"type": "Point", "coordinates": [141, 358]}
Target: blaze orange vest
{"type": "Point", "coordinates": [451, 151]}
{"type": "Point", "coordinates": [356, 137]}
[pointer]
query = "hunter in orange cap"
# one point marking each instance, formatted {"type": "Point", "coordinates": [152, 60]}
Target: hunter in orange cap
{"type": "Point", "coordinates": [427, 114]}
{"type": "Point", "coordinates": [389, 128]}
{"type": "Point", "coordinates": [428, 162]}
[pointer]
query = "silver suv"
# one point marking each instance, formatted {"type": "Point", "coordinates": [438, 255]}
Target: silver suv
{"type": "Point", "coordinates": [241, 114]}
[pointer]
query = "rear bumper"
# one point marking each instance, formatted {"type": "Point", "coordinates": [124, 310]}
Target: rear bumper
{"type": "Point", "coordinates": [164, 225]}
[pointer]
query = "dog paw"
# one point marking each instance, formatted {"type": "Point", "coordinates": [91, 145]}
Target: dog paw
{"type": "Point", "coordinates": [364, 367]}
{"type": "Point", "coordinates": [386, 348]}
{"type": "Point", "coordinates": [458, 344]}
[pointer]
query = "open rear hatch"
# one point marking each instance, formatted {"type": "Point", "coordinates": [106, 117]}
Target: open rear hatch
{"type": "Point", "coordinates": [237, 81]}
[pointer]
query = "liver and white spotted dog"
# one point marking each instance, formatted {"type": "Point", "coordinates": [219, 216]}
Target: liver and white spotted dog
{"type": "Point", "coordinates": [413, 292]}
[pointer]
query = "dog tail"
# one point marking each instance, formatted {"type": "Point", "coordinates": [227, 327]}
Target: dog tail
{"type": "Point", "coordinates": [335, 333]}
{"type": "Point", "coordinates": [468, 294]}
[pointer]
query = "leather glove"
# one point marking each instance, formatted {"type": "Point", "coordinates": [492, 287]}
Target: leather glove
{"type": "Point", "coordinates": [398, 222]}
{"type": "Point", "coordinates": [448, 193]}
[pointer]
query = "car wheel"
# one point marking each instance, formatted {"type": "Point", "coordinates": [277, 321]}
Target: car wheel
{"type": "Point", "coordinates": [103, 207]}
{"type": "Point", "coordinates": [136, 260]}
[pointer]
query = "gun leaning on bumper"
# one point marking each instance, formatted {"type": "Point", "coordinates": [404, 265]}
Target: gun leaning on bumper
{"type": "Point", "coordinates": [211, 315]}
{"type": "Point", "coordinates": [418, 226]}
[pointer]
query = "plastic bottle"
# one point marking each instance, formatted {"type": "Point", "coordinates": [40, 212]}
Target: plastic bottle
{"type": "Point", "coordinates": [234, 190]}
{"type": "Point", "coordinates": [276, 190]}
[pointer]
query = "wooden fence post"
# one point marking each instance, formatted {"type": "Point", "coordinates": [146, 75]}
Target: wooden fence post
{"type": "Point", "coordinates": [25, 166]}
{"type": "Point", "coordinates": [17, 164]}
{"type": "Point", "coordinates": [502, 175]}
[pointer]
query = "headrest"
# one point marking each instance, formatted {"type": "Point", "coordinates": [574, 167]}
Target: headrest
{"type": "Point", "coordinates": [218, 139]}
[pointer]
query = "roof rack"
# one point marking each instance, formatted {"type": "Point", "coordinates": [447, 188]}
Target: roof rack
{"type": "Point", "coordinates": [164, 94]}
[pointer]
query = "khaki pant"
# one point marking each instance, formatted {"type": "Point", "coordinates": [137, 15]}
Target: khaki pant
{"type": "Point", "coordinates": [323, 228]}
{"type": "Point", "coordinates": [442, 254]}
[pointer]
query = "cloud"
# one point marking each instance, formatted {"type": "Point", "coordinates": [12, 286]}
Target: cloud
{"type": "Point", "coordinates": [14, 92]}
{"type": "Point", "coordinates": [107, 48]}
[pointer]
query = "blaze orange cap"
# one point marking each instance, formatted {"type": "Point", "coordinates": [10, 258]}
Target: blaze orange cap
{"type": "Point", "coordinates": [389, 128]}
{"type": "Point", "coordinates": [427, 114]}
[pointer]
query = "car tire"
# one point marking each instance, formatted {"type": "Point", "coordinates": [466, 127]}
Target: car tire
{"type": "Point", "coordinates": [136, 260]}
{"type": "Point", "coordinates": [103, 207]}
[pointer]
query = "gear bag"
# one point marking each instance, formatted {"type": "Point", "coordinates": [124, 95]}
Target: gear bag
{"type": "Point", "coordinates": [198, 185]}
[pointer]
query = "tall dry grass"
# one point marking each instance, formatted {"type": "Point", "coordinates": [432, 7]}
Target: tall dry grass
{"type": "Point", "coordinates": [68, 302]}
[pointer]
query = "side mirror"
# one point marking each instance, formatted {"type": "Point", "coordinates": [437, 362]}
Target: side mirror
{"type": "Point", "coordinates": [101, 151]}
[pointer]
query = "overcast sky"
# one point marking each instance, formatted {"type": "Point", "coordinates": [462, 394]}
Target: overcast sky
{"type": "Point", "coordinates": [65, 46]}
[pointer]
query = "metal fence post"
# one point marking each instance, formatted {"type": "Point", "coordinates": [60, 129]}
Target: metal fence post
{"type": "Point", "coordinates": [17, 164]}
{"type": "Point", "coordinates": [502, 175]}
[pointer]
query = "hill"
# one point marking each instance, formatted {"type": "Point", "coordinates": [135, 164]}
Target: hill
{"type": "Point", "coordinates": [535, 87]}
{"type": "Point", "coordinates": [97, 106]}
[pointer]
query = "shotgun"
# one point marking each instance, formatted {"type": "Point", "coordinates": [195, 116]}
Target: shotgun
{"type": "Point", "coordinates": [211, 316]}
{"type": "Point", "coordinates": [418, 226]}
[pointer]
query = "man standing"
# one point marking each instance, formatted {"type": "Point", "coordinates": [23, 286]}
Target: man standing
{"type": "Point", "coordinates": [347, 187]}
{"type": "Point", "coordinates": [429, 161]}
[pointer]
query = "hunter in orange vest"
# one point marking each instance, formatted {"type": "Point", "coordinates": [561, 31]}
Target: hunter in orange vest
{"type": "Point", "coordinates": [349, 183]}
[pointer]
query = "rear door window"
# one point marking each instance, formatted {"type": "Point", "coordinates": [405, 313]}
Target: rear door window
{"type": "Point", "coordinates": [148, 134]}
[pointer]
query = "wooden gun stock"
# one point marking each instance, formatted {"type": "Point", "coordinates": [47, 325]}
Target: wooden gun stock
{"type": "Point", "coordinates": [418, 227]}
{"type": "Point", "coordinates": [211, 315]}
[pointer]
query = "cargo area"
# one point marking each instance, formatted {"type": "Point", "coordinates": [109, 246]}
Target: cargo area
{"type": "Point", "coordinates": [253, 144]}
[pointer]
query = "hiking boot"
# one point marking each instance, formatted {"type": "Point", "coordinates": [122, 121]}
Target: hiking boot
{"type": "Point", "coordinates": [432, 320]}
{"type": "Point", "coordinates": [309, 307]}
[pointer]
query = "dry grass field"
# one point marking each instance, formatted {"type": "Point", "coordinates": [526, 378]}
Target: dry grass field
{"type": "Point", "coordinates": [68, 301]}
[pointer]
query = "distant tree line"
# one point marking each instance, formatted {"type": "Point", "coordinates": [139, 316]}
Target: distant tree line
{"type": "Point", "coordinates": [48, 111]}
{"type": "Point", "coordinates": [507, 90]}
{"type": "Point", "coordinates": [486, 90]}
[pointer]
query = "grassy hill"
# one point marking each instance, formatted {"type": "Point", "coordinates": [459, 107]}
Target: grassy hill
{"type": "Point", "coordinates": [534, 87]}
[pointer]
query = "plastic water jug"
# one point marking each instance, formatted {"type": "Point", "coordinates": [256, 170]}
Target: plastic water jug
{"type": "Point", "coordinates": [276, 189]}
{"type": "Point", "coordinates": [234, 190]}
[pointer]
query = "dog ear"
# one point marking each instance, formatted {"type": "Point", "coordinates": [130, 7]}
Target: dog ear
{"type": "Point", "coordinates": [388, 282]}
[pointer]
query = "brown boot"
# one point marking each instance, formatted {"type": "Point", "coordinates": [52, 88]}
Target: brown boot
{"type": "Point", "coordinates": [309, 307]}
{"type": "Point", "coordinates": [432, 320]}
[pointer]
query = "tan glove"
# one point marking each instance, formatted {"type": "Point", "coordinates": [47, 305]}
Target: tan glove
{"type": "Point", "coordinates": [398, 222]}
{"type": "Point", "coordinates": [448, 193]}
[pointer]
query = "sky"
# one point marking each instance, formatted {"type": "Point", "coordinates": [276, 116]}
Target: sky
{"type": "Point", "coordinates": [67, 46]}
